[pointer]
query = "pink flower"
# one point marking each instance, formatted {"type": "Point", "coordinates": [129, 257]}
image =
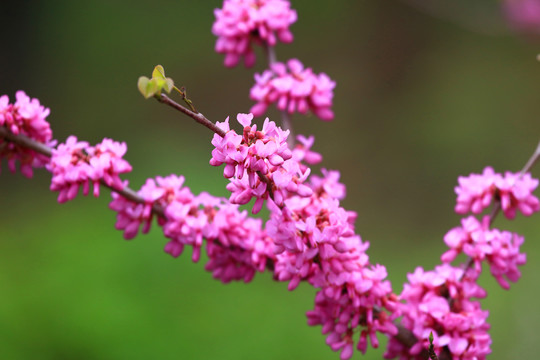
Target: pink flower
{"type": "Point", "coordinates": [76, 164]}
{"type": "Point", "coordinates": [523, 15]}
{"type": "Point", "coordinates": [514, 190]}
{"type": "Point", "coordinates": [27, 117]}
{"type": "Point", "coordinates": [501, 249]}
{"type": "Point", "coordinates": [293, 89]}
{"type": "Point", "coordinates": [237, 246]}
{"type": "Point", "coordinates": [440, 301]}
{"type": "Point", "coordinates": [476, 191]}
{"type": "Point", "coordinates": [106, 160]}
{"type": "Point", "coordinates": [357, 306]}
{"type": "Point", "coordinates": [302, 152]}
{"type": "Point", "coordinates": [131, 215]}
{"type": "Point", "coordinates": [70, 169]}
{"type": "Point", "coordinates": [258, 163]}
{"type": "Point", "coordinates": [241, 22]}
{"type": "Point", "coordinates": [184, 224]}
{"type": "Point", "coordinates": [315, 242]}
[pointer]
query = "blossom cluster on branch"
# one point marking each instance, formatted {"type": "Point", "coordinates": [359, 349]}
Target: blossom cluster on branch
{"type": "Point", "coordinates": [308, 236]}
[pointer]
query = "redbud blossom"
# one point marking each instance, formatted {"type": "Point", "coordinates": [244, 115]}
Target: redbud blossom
{"type": "Point", "coordinates": [27, 117]}
{"type": "Point", "coordinates": [131, 215]}
{"type": "Point", "coordinates": [315, 242]}
{"type": "Point", "coordinates": [240, 23]}
{"type": "Point", "coordinates": [523, 15]}
{"type": "Point", "coordinates": [237, 246]}
{"type": "Point", "coordinates": [75, 163]}
{"type": "Point", "coordinates": [254, 154]}
{"type": "Point", "coordinates": [294, 89]}
{"type": "Point", "coordinates": [439, 302]}
{"type": "Point", "coordinates": [499, 248]}
{"type": "Point", "coordinates": [476, 192]}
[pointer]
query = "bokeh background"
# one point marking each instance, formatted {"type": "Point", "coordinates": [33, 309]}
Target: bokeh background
{"type": "Point", "coordinates": [426, 91]}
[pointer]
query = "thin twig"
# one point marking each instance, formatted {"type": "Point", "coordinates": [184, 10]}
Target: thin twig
{"type": "Point", "coordinates": [198, 117]}
{"type": "Point", "coordinates": [25, 141]}
{"type": "Point", "coordinates": [532, 160]}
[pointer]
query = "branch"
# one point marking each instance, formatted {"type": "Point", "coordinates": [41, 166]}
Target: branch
{"type": "Point", "coordinates": [25, 141]}
{"type": "Point", "coordinates": [197, 116]}
{"type": "Point", "coordinates": [532, 160]}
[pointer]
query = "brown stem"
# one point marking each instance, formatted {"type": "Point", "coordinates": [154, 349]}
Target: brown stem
{"type": "Point", "coordinates": [25, 141]}
{"type": "Point", "coordinates": [532, 160]}
{"type": "Point", "coordinates": [198, 117]}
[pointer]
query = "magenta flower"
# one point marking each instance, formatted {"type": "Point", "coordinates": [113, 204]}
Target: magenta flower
{"type": "Point", "coordinates": [237, 246]}
{"type": "Point", "coordinates": [185, 224]}
{"type": "Point", "coordinates": [516, 193]}
{"type": "Point", "coordinates": [254, 155]}
{"type": "Point", "coordinates": [293, 89]}
{"type": "Point", "coordinates": [302, 152]}
{"type": "Point", "coordinates": [27, 117]}
{"type": "Point", "coordinates": [439, 301]}
{"type": "Point", "coordinates": [514, 190]}
{"type": "Point", "coordinates": [243, 22]}
{"type": "Point", "coordinates": [131, 215]}
{"type": "Point", "coordinates": [475, 192]}
{"type": "Point", "coordinates": [523, 15]}
{"type": "Point", "coordinates": [501, 249]}
{"type": "Point", "coordinates": [315, 242]}
{"type": "Point", "coordinates": [70, 169]}
{"type": "Point", "coordinates": [75, 163]}
{"type": "Point", "coordinates": [357, 306]}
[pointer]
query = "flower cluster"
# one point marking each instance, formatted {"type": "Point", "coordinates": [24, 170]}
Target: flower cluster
{"type": "Point", "coordinates": [309, 237]}
{"type": "Point", "coordinates": [258, 163]}
{"type": "Point", "coordinates": [26, 117]}
{"type": "Point", "coordinates": [523, 15]}
{"type": "Point", "coordinates": [237, 246]}
{"type": "Point", "coordinates": [315, 242]}
{"type": "Point", "coordinates": [75, 164]}
{"type": "Point", "coordinates": [358, 302]}
{"type": "Point", "coordinates": [241, 22]}
{"type": "Point", "coordinates": [440, 301]}
{"type": "Point", "coordinates": [155, 192]}
{"type": "Point", "coordinates": [514, 190]}
{"type": "Point", "coordinates": [499, 248]}
{"type": "Point", "coordinates": [294, 89]}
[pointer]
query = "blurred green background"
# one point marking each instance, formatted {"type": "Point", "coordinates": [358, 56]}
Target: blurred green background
{"type": "Point", "coordinates": [423, 95]}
